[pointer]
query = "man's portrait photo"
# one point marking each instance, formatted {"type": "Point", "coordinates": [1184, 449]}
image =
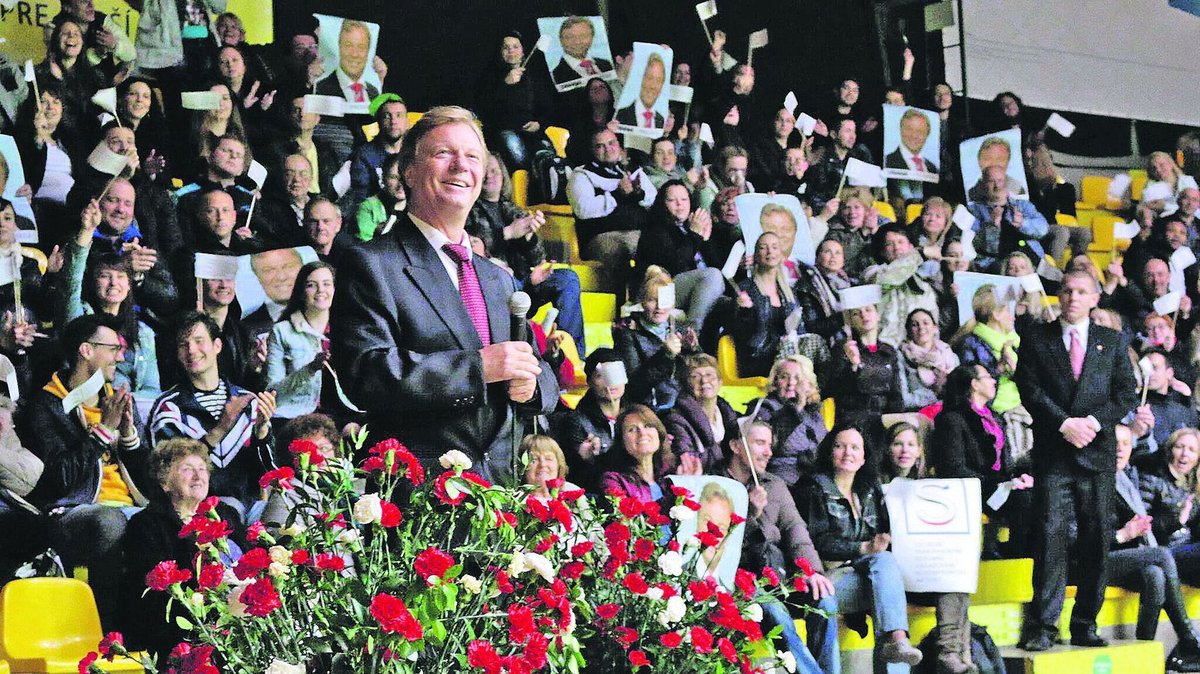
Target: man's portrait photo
{"type": "Point", "coordinates": [911, 143]}
{"type": "Point", "coordinates": [642, 110]}
{"type": "Point", "coordinates": [578, 50]}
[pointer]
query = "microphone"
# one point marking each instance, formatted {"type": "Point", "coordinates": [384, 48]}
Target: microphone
{"type": "Point", "coordinates": [518, 308]}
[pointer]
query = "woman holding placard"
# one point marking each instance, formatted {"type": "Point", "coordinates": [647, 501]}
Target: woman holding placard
{"type": "Point", "coordinates": [864, 375]}
{"type": "Point", "coordinates": [842, 502]}
{"type": "Point", "coordinates": [765, 301]}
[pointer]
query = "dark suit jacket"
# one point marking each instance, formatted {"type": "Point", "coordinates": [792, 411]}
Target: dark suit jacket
{"type": "Point", "coordinates": [409, 354]}
{"type": "Point", "coordinates": [628, 115]}
{"type": "Point", "coordinates": [329, 86]}
{"type": "Point", "coordinates": [1106, 390]}
{"type": "Point", "coordinates": [895, 160]}
{"type": "Point", "coordinates": [564, 73]}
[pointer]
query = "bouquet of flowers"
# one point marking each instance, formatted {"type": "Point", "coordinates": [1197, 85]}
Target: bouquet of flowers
{"type": "Point", "coordinates": [453, 574]}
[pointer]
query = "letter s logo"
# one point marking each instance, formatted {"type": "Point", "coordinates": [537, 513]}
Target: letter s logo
{"type": "Point", "coordinates": [934, 509]}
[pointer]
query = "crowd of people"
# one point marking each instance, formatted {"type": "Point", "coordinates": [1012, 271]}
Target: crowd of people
{"type": "Point", "coordinates": [141, 388]}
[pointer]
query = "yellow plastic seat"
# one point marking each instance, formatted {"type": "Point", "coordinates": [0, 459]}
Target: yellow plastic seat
{"type": "Point", "coordinates": [520, 185]}
{"type": "Point", "coordinates": [913, 211]}
{"type": "Point", "coordinates": [414, 117]}
{"type": "Point", "coordinates": [558, 137]}
{"type": "Point", "coordinates": [727, 366]}
{"type": "Point", "coordinates": [370, 131]}
{"type": "Point", "coordinates": [47, 625]}
{"type": "Point", "coordinates": [1093, 191]}
{"type": "Point", "coordinates": [1066, 220]}
{"type": "Point", "coordinates": [598, 307]}
{"type": "Point", "coordinates": [885, 209]}
{"type": "Point", "coordinates": [1103, 240]}
{"type": "Point", "coordinates": [1139, 178]}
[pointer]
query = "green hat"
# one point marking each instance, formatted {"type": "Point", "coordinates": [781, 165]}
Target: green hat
{"type": "Point", "coordinates": [379, 100]}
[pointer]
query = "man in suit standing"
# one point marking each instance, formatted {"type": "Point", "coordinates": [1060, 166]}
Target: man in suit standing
{"type": "Point", "coordinates": [576, 35]}
{"type": "Point", "coordinates": [420, 326]}
{"type": "Point", "coordinates": [641, 112]}
{"type": "Point", "coordinates": [354, 46]}
{"type": "Point", "coordinates": [1077, 383]}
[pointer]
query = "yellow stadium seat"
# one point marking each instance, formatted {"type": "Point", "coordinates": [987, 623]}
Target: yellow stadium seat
{"type": "Point", "coordinates": [4, 667]}
{"type": "Point", "coordinates": [370, 131]}
{"type": "Point", "coordinates": [1067, 220]}
{"type": "Point", "coordinates": [1102, 233]}
{"type": "Point", "coordinates": [414, 117]}
{"type": "Point", "coordinates": [37, 638]}
{"type": "Point", "coordinates": [520, 185]}
{"type": "Point", "coordinates": [1140, 178]}
{"type": "Point", "coordinates": [598, 307]}
{"type": "Point", "coordinates": [558, 137]}
{"type": "Point", "coordinates": [913, 211]}
{"type": "Point", "coordinates": [727, 366]}
{"type": "Point", "coordinates": [885, 209]}
{"type": "Point", "coordinates": [1094, 191]}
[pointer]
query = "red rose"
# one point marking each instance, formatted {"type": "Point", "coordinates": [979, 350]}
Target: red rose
{"type": "Point", "coordinates": [432, 562]}
{"type": "Point", "coordinates": [638, 659]}
{"type": "Point", "coordinates": [252, 563]}
{"type": "Point", "coordinates": [165, 574]}
{"type": "Point", "coordinates": [260, 598]}
{"type": "Point", "coordinates": [395, 618]}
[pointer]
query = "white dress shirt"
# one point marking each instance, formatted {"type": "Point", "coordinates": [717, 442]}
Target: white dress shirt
{"type": "Point", "coordinates": [437, 239]}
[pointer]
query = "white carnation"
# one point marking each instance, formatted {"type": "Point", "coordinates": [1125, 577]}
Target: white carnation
{"type": "Point", "coordinates": [674, 611]}
{"type": "Point", "coordinates": [682, 513]}
{"type": "Point", "coordinates": [541, 565]}
{"type": "Point", "coordinates": [280, 554]}
{"type": "Point", "coordinates": [654, 593]}
{"type": "Point", "coordinates": [455, 459]}
{"type": "Point", "coordinates": [691, 542]}
{"type": "Point", "coordinates": [473, 584]}
{"type": "Point", "coordinates": [788, 660]}
{"type": "Point", "coordinates": [671, 563]}
{"type": "Point", "coordinates": [348, 537]}
{"type": "Point", "coordinates": [292, 530]}
{"type": "Point", "coordinates": [517, 566]}
{"type": "Point", "coordinates": [278, 570]}
{"type": "Point", "coordinates": [236, 608]}
{"type": "Point", "coordinates": [281, 667]}
{"type": "Point", "coordinates": [368, 509]}
{"type": "Point", "coordinates": [754, 612]}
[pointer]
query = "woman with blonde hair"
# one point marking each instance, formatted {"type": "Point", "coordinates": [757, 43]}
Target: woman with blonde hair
{"type": "Point", "coordinates": [1169, 489]}
{"type": "Point", "coordinates": [792, 407]}
{"type": "Point", "coordinates": [649, 342]}
{"type": "Point", "coordinates": [935, 228]}
{"type": "Point", "coordinates": [765, 300]}
{"type": "Point", "coordinates": [1163, 171]}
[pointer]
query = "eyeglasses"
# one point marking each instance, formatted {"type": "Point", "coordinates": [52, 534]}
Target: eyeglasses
{"type": "Point", "coordinates": [117, 348]}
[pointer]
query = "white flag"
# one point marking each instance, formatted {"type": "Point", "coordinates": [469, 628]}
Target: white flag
{"type": "Point", "coordinates": [758, 39]}
{"type": "Point", "coordinates": [1061, 125]}
{"type": "Point", "coordinates": [106, 99]}
{"type": "Point", "coordinates": [85, 391]}
{"type": "Point", "coordinates": [736, 253]}
{"type": "Point", "coordinates": [257, 173]}
{"type": "Point", "coordinates": [29, 76]}
{"type": "Point", "coordinates": [707, 10]}
{"type": "Point", "coordinates": [1182, 258]}
{"type": "Point", "coordinates": [682, 93]}
{"type": "Point", "coordinates": [1167, 304]}
{"type": "Point", "coordinates": [1048, 271]}
{"type": "Point", "coordinates": [806, 123]}
{"type": "Point", "coordinates": [862, 174]}
{"type": "Point", "coordinates": [105, 160]}
{"type": "Point", "coordinates": [706, 134]}
{"type": "Point", "coordinates": [790, 103]}
{"type": "Point", "coordinates": [201, 100]}
{"type": "Point", "coordinates": [341, 181]}
{"type": "Point", "coordinates": [1032, 283]}
{"type": "Point", "coordinates": [1126, 230]}
{"type": "Point", "coordinates": [1120, 183]}
{"type": "Point", "coordinates": [964, 219]}
{"type": "Point", "coordinates": [330, 106]}
{"type": "Point", "coordinates": [634, 141]}
{"type": "Point", "coordinates": [219, 267]}
{"type": "Point", "coordinates": [666, 296]}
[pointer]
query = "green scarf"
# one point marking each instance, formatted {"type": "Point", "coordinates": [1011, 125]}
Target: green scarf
{"type": "Point", "coordinates": [1007, 396]}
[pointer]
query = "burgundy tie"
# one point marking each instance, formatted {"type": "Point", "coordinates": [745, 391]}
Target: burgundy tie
{"type": "Point", "coordinates": [357, 87]}
{"type": "Point", "coordinates": [468, 287]}
{"type": "Point", "coordinates": [587, 66]}
{"type": "Point", "coordinates": [1076, 353]}
{"type": "Point", "coordinates": [649, 115]}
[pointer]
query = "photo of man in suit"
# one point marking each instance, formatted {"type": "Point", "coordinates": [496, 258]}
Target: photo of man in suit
{"type": "Point", "coordinates": [641, 113]}
{"type": "Point", "coordinates": [354, 52]}
{"type": "Point", "coordinates": [421, 326]}
{"type": "Point", "coordinates": [1077, 383]}
{"type": "Point", "coordinates": [576, 35]}
{"type": "Point", "coordinates": [994, 151]}
{"type": "Point", "coordinates": [914, 131]}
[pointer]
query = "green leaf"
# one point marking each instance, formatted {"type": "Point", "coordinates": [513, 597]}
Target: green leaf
{"type": "Point", "coordinates": [184, 624]}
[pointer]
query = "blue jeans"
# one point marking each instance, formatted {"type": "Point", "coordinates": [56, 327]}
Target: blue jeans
{"type": "Point", "coordinates": [822, 634]}
{"type": "Point", "coordinates": [875, 585]}
{"type": "Point", "coordinates": [561, 288]}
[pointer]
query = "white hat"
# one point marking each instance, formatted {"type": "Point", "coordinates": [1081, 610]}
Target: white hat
{"type": "Point", "coordinates": [860, 296]}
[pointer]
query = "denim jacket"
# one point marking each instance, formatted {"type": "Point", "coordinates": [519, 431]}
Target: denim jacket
{"type": "Point", "coordinates": [291, 367]}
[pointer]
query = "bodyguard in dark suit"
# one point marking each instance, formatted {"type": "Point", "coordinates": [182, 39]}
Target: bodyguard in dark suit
{"type": "Point", "coordinates": [421, 329]}
{"type": "Point", "coordinates": [1077, 383]}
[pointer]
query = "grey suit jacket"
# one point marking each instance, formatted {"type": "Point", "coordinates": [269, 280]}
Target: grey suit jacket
{"type": "Point", "coordinates": [408, 354]}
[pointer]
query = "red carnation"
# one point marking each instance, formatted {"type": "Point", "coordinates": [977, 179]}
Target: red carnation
{"type": "Point", "coordinates": [330, 562]}
{"type": "Point", "coordinates": [302, 448]}
{"type": "Point", "coordinates": [671, 639]}
{"type": "Point", "coordinates": [806, 566]}
{"type": "Point", "coordinates": [638, 659]}
{"type": "Point", "coordinates": [300, 557]}
{"type": "Point", "coordinates": [582, 548]}
{"type": "Point", "coordinates": [207, 505]}
{"type": "Point", "coordinates": [726, 647]}
{"type": "Point", "coordinates": [482, 655]}
{"type": "Point", "coordinates": [702, 640]}
{"type": "Point", "coordinates": [261, 598]}
{"type": "Point", "coordinates": [210, 576]}
{"type": "Point", "coordinates": [280, 477]}
{"type": "Point", "coordinates": [771, 576]}
{"type": "Point", "coordinates": [608, 611]}
{"type": "Point", "coordinates": [165, 574]}
{"type": "Point", "coordinates": [735, 519]}
{"type": "Point", "coordinates": [744, 580]}
{"type": "Point", "coordinates": [432, 562]}
{"type": "Point", "coordinates": [255, 531]}
{"type": "Point", "coordinates": [535, 650]}
{"type": "Point", "coordinates": [395, 618]}
{"type": "Point", "coordinates": [205, 530]}
{"type": "Point", "coordinates": [112, 645]}
{"type": "Point", "coordinates": [391, 515]}
{"type": "Point", "coordinates": [682, 492]}
{"type": "Point", "coordinates": [643, 549]}
{"type": "Point", "coordinates": [635, 583]}
{"type": "Point", "coordinates": [702, 590]}
{"type": "Point", "coordinates": [520, 623]}
{"type": "Point", "coordinates": [630, 507]}
{"type": "Point", "coordinates": [626, 635]}
{"type": "Point", "coordinates": [252, 562]}
{"type": "Point", "coordinates": [85, 665]}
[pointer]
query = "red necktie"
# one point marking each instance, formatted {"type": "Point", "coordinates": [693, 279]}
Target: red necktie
{"type": "Point", "coordinates": [587, 66]}
{"type": "Point", "coordinates": [1076, 353]}
{"type": "Point", "coordinates": [357, 87]}
{"type": "Point", "coordinates": [468, 287]}
{"type": "Point", "coordinates": [919, 164]}
{"type": "Point", "coordinates": [649, 115]}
